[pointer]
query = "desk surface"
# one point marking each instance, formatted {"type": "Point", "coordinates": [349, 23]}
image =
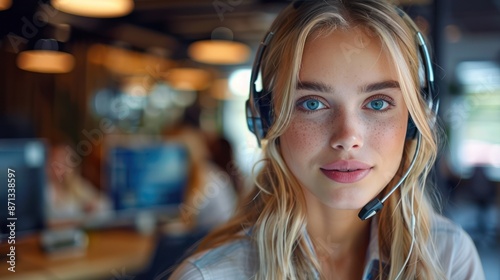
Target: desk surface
{"type": "Point", "coordinates": [110, 254]}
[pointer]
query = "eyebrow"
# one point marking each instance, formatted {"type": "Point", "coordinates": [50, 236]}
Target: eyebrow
{"type": "Point", "coordinates": [322, 87]}
{"type": "Point", "coordinates": [380, 85]}
{"type": "Point", "coordinates": [314, 86]}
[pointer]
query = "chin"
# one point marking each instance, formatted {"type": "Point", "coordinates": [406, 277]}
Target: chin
{"type": "Point", "coordinates": [347, 205]}
{"type": "Point", "coordinates": [348, 200]}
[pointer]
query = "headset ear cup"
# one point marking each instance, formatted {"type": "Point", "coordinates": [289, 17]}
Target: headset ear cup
{"type": "Point", "coordinates": [254, 122]}
{"type": "Point", "coordinates": [258, 105]}
{"type": "Point", "coordinates": [250, 117]}
{"type": "Point", "coordinates": [411, 130]}
{"type": "Point", "coordinates": [266, 112]}
{"type": "Point", "coordinates": [259, 124]}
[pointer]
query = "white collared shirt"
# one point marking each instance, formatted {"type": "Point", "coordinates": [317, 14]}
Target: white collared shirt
{"type": "Point", "coordinates": [237, 260]}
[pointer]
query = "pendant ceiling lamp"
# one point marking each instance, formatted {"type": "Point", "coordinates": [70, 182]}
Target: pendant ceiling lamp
{"type": "Point", "coordinates": [5, 4]}
{"type": "Point", "coordinates": [219, 52]}
{"type": "Point", "coordinates": [220, 49]}
{"type": "Point", "coordinates": [95, 8]}
{"type": "Point", "coordinates": [46, 58]}
{"type": "Point", "coordinates": [188, 79]}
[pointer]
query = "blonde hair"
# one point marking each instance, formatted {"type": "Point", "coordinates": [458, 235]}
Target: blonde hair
{"type": "Point", "coordinates": [275, 209]}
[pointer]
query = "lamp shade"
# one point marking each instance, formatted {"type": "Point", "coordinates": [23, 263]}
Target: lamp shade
{"type": "Point", "coordinates": [5, 4]}
{"type": "Point", "coordinates": [45, 57]}
{"type": "Point", "coordinates": [45, 61]}
{"type": "Point", "coordinates": [219, 52]}
{"type": "Point", "coordinates": [95, 8]}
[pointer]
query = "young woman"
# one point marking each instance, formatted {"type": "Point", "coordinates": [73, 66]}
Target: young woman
{"type": "Point", "coordinates": [345, 84]}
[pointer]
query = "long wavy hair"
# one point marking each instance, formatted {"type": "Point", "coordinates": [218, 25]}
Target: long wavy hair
{"type": "Point", "coordinates": [275, 208]}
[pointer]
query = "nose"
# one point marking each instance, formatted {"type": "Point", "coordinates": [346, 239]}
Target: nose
{"type": "Point", "coordinates": [347, 133]}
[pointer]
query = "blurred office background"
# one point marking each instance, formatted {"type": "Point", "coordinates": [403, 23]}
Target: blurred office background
{"type": "Point", "coordinates": [129, 126]}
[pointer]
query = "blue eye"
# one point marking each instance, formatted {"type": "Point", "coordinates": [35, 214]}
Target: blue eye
{"type": "Point", "coordinates": [311, 104]}
{"type": "Point", "coordinates": [378, 104]}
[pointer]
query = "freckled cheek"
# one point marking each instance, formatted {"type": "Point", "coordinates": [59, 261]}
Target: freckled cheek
{"type": "Point", "coordinates": [302, 135]}
{"type": "Point", "coordinates": [386, 134]}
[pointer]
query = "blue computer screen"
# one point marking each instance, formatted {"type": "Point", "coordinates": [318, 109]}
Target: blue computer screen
{"type": "Point", "coordinates": [25, 160]}
{"type": "Point", "coordinates": [148, 177]}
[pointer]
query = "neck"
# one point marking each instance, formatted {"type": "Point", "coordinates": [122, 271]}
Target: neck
{"type": "Point", "coordinates": [339, 237]}
{"type": "Point", "coordinates": [336, 233]}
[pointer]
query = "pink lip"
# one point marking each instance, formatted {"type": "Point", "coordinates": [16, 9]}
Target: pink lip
{"type": "Point", "coordinates": [346, 171]}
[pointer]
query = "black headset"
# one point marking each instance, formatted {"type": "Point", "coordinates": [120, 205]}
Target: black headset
{"type": "Point", "coordinates": [259, 109]}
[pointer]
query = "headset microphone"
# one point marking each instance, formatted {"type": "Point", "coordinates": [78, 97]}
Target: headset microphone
{"type": "Point", "coordinates": [430, 96]}
{"type": "Point", "coordinates": [372, 207]}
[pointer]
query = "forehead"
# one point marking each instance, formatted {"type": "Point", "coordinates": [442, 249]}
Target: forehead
{"type": "Point", "coordinates": [355, 51]}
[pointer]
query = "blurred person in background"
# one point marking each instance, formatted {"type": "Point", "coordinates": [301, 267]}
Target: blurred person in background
{"type": "Point", "coordinates": [222, 155]}
{"type": "Point", "coordinates": [71, 198]}
{"type": "Point", "coordinates": [210, 197]}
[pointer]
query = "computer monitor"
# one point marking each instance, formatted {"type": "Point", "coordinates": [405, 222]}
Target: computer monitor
{"type": "Point", "coordinates": [23, 162]}
{"type": "Point", "coordinates": [149, 177]}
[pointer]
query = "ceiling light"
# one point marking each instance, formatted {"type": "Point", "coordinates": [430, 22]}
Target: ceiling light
{"type": "Point", "coordinates": [219, 52]}
{"type": "Point", "coordinates": [5, 4]}
{"type": "Point", "coordinates": [45, 61]}
{"type": "Point", "coordinates": [95, 8]}
{"type": "Point", "coordinates": [46, 58]}
{"type": "Point", "coordinates": [188, 79]}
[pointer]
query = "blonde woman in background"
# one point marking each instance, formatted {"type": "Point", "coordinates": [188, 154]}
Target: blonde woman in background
{"type": "Point", "coordinates": [210, 196]}
{"type": "Point", "coordinates": [341, 82]}
{"type": "Point", "coordinates": [72, 200]}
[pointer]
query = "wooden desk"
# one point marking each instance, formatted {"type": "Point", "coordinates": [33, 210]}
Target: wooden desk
{"type": "Point", "coordinates": [110, 254]}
